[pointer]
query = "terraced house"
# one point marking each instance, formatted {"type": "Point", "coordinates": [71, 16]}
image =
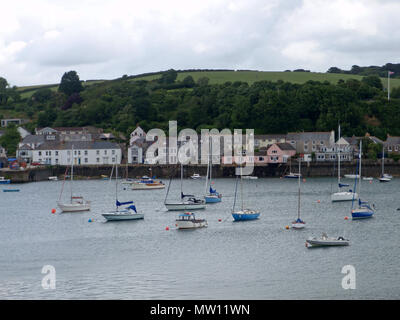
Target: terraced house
{"type": "Point", "coordinates": [80, 152]}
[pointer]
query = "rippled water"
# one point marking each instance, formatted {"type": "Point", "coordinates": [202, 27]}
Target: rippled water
{"type": "Point", "coordinates": [228, 260]}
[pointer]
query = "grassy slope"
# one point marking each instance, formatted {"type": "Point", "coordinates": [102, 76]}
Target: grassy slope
{"type": "Point", "coordinates": [247, 76]}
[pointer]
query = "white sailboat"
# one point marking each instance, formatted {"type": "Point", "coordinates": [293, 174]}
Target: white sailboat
{"type": "Point", "coordinates": [384, 176]}
{"type": "Point", "coordinates": [187, 202]}
{"type": "Point", "coordinates": [76, 203]}
{"type": "Point", "coordinates": [127, 210]}
{"type": "Point", "coordinates": [342, 195]}
{"type": "Point", "coordinates": [298, 223]}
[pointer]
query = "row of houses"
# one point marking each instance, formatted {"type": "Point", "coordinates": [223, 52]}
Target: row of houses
{"type": "Point", "coordinates": [91, 146]}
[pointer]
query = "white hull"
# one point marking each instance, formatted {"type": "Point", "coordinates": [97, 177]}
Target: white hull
{"type": "Point", "coordinates": [352, 176]}
{"type": "Point", "coordinates": [384, 179]}
{"type": "Point", "coordinates": [53, 178]}
{"type": "Point", "coordinates": [250, 177]}
{"type": "Point", "coordinates": [174, 206]}
{"type": "Point", "coordinates": [190, 224]}
{"type": "Point", "coordinates": [74, 207]}
{"type": "Point", "coordinates": [368, 178]}
{"type": "Point", "coordinates": [119, 216]}
{"type": "Point", "coordinates": [142, 186]}
{"type": "Point", "coordinates": [298, 225]}
{"type": "Point", "coordinates": [343, 196]}
{"type": "Point", "coordinates": [329, 242]}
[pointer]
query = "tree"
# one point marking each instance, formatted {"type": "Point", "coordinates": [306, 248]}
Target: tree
{"type": "Point", "coordinates": [3, 91]}
{"type": "Point", "coordinates": [10, 139]}
{"type": "Point", "coordinates": [334, 70]}
{"type": "Point", "coordinates": [188, 82]}
{"type": "Point", "coordinates": [373, 81]}
{"type": "Point", "coordinates": [168, 77]}
{"type": "Point", "coordinates": [42, 95]}
{"type": "Point", "coordinates": [70, 83]}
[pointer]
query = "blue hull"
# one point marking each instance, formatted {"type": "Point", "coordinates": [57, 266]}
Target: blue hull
{"type": "Point", "coordinates": [5, 182]}
{"type": "Point", "coordinates": [362, 215]}
{"type": "Point", "coordinates": [11, 190]}
{"type": "Point", "coordinates": [245, 217]}
{"type": "Point", "coordinates": [212, 199]}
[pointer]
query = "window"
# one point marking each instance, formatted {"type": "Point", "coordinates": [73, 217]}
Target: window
{"type": "Point", "coordinates": [321, 142]}
{"type": "Point", "coordinates": [86, 152]}
{"type": "Point", "coordinates": [97, 159]}
{"type": "Point", "coordinates": [56, 153]}
{"type": "Point", "coordinates": [79, 152]}
{"type": "Point", "coordinates": [75, 152]}
{"type": "Point", "coordinates": [86, 160]}
{"type": "Point", "coordinates": [113, 152]}
{"type": "Point", "coordinates": [390, 148]}
{"type": "Point", "coordinates": [40, 153]}
{"type": "Point", "coordinates": [97, 152]}
{"type": "Point", "coordinates": [56, 161]}
{"type": "Point", "coordinates": [105, 151]}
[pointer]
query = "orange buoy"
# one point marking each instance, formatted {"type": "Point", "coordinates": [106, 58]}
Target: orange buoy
{"type": "Point", "coordinates": [53, 210]}
{"type": "Point", "coordinates": [287, 227]}
{"type": "Point", "coordinates": [318, 201]}
{"type": "Point", "coordinates": [346, 218]}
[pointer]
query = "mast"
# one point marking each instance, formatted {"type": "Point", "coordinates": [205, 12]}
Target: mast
{"type": "Point", "coordinates": [234, 199]}
{"type": "Point", "coordinates": [339, 160]}
{"type": "Point", "coordinates": [359, 172]}
{"type": "Point", "coordinates": [298, 202]}
{"type": "Point", "coordinates": [181, 179]}
{"type": "Point", "coordinates": [241, 187]}
{"type": "Point", "coordinates": [383, 160]}
{"type": "Point", "coordinates": [72, 168]}
{"type": "Point", "coordinates": [208, 169]}
{"type": "Point", "coordinates": [116, 182]}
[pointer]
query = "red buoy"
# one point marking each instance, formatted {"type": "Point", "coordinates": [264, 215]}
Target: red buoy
{"type": "Point", "coordinates": [53, 210]}
{"type": "Point", "coordinates": [167, 228]}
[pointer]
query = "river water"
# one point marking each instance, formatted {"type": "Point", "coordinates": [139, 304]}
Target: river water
{"type": "Point", "coordinates": [228, 260]}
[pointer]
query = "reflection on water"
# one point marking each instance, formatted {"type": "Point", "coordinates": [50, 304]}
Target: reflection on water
{"type": "Point", "coordinates": [249, 260]}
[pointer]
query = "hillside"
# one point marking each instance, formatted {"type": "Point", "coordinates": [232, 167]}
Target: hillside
{"type": "Point", "coordinates": [218, 77]}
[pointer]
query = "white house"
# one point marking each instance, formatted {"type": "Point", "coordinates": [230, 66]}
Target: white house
{"type": "Point", "coordinates": [3, 153]}
{"type": "Point", "coordinates": [136, 134]}
{"type": "Point", "coordinates": [82, 153]}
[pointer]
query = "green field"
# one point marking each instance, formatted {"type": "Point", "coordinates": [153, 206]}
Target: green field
{"type": "Point", "coordinates": [218, 77]}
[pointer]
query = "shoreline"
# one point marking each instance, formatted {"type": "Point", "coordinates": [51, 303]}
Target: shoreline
{"type": "Point", "coordinates": [311, 169]}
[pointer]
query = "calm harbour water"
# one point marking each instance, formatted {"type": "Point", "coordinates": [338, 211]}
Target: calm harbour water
{"type": "Point", "coordinates": [228, 260]}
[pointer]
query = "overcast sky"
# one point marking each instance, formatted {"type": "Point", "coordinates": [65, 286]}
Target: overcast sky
{"type": "Point", "coordinates": [102, 39]}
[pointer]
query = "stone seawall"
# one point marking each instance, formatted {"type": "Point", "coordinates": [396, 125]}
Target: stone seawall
{"type": "Point", "coordinates": [314, 169]}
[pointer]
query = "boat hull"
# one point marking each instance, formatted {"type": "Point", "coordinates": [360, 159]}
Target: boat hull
{"type": "Point", "coordinates": [326, 243]}
{"type": "Point", "coordinates": [298, 225]}
{"type": "Point", "coordinates": [352, 176]}
{"type": "Point", "coordinates": [384, 179]}
{"type": "Point", "coordinates": [191, 224]}
{"type": "Point", "coordinates": [74, 207]}
{"type": "Point", "coordinates": [184, 206]}
{"type": "Point", "coordinates": [212, 199]}
{"type": "Point", "coordinates": [138, 186]}
{"type": "Point", "coordinates": [245, 215]}
{"type": "Point", "coordinates": [343, 196]}
{"type": "Point", "coordinates": [361, 213]}
{"type": "Point", "coordinates": [5, 181]}
{"type": "Point", "coordinates": [122, 216]}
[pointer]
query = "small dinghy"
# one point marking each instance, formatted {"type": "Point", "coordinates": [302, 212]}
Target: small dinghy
{"type": "Point", "coordinates": [325, 241]}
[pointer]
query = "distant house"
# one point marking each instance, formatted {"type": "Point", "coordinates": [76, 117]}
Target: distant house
{"type": "Point", "coordinates": [6, 122]}
{"type": "Point", "coordinates": [261, 156]}
{"type": "Point", "coordinates": [280, 152]}
{"type": "Point", "coordinates": [3, 153]}
{"type": "Point", "coordinates": [24, 153]}
{"type": "Point", "coordinates": [137, 151]}
{"type": "Point", "coordinates": [392, 145]}
{"type": "Point", "coordinates": [68, 130]}
{"type": "Point", "coordinates": [138, 133]}
{"type": "Point", "coordinates": [83, 153]}
{"type": "Point", "coordinates": [266, 140]}
{"type": "Point", "coordinates": [311, 142]}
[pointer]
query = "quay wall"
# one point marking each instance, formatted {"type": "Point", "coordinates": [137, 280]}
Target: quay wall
{"type": "Point", "coordinates": [313, 169]}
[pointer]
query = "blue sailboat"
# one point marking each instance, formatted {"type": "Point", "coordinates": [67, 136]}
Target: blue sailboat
{"type": "Point", "coordinates": [243, 214]}
{"type": "Point", "coordinates": [364, 210]}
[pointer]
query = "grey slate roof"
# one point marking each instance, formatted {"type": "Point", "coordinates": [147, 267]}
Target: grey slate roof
{"type": "Point", "coordinates": [308, 136]}
{"type": "Point", "coordinates": [285, 146]}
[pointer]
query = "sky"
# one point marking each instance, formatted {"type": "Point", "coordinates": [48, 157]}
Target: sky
{"type": "Point", "coordinates": [103, 39]}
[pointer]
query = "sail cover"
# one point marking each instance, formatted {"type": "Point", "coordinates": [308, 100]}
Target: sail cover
{"type": "Point", "coordinates": [122, 203]}
{"type": "Point", "coordinates": [212, 190]}
{"type": "Point", "coordinates": [341, 185]}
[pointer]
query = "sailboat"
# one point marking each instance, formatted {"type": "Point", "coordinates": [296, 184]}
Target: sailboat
{"type": "Point", "coordinates": [298, 223]}
{"type": "Point", "coordinates": [187, 220]}
{"type": "Point", "coordinates": [364, 210]}
{"type": "Point", "coordinates": [76, 203]}
{"type": "Point", "coordinates": [243, 214]}
{"type": "Point", "coordinates": [342, 195]}
{"type": "Point", "coordinates": [128, 210]}
{"type": "Point", "coordinates": [384, 177]}
{"type": "Point", "coordinates": [187, 202]}
{"type": "Point", "coordinates": [212, 196]}
{"type": "Point", "coordinates": [292, 175]}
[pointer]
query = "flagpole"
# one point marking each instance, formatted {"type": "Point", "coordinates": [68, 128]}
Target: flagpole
{"type": "Point", "coordinates": [388, 85]}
